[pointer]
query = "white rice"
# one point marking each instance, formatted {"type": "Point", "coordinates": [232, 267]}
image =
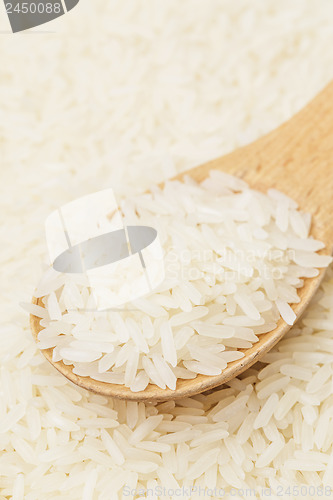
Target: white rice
{"type": "Point", "coordinates": [184, 321]}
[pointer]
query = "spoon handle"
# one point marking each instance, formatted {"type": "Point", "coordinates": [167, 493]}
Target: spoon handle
{"type": "Point", "coordinates": [296, 158]}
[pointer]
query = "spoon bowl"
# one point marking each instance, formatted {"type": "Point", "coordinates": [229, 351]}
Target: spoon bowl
{"type": "Point", "coordinates": [297, 159]}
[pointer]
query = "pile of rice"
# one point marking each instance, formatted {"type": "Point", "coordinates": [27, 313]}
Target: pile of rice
{"type": "Point", "coordinates": [233, 258]}
{"type": "Point", "coordinates": [126, 94]}
{"type": "Point", "coordinates": [270, 428]}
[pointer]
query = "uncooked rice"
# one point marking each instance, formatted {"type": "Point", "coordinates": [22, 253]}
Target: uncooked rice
{"type": "Point", "coordinates": [231, 265]}
{"type": "Point", "coordinates": [126, 95]}
{"type": "Point", "coordinates": [261, 430]}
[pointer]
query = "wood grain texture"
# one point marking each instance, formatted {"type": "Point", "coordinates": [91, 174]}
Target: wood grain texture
{"type": "Point", "coordinates": [296, 158]}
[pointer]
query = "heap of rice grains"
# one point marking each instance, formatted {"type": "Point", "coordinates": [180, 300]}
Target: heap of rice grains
{"type": "Point", "coordinates": [233, 258]}
{"type": "Point", "coordinates": [261, 434]}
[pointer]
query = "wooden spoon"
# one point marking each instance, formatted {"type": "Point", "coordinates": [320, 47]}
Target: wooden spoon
{"type": "Point", "coordinates": [296, 158]}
